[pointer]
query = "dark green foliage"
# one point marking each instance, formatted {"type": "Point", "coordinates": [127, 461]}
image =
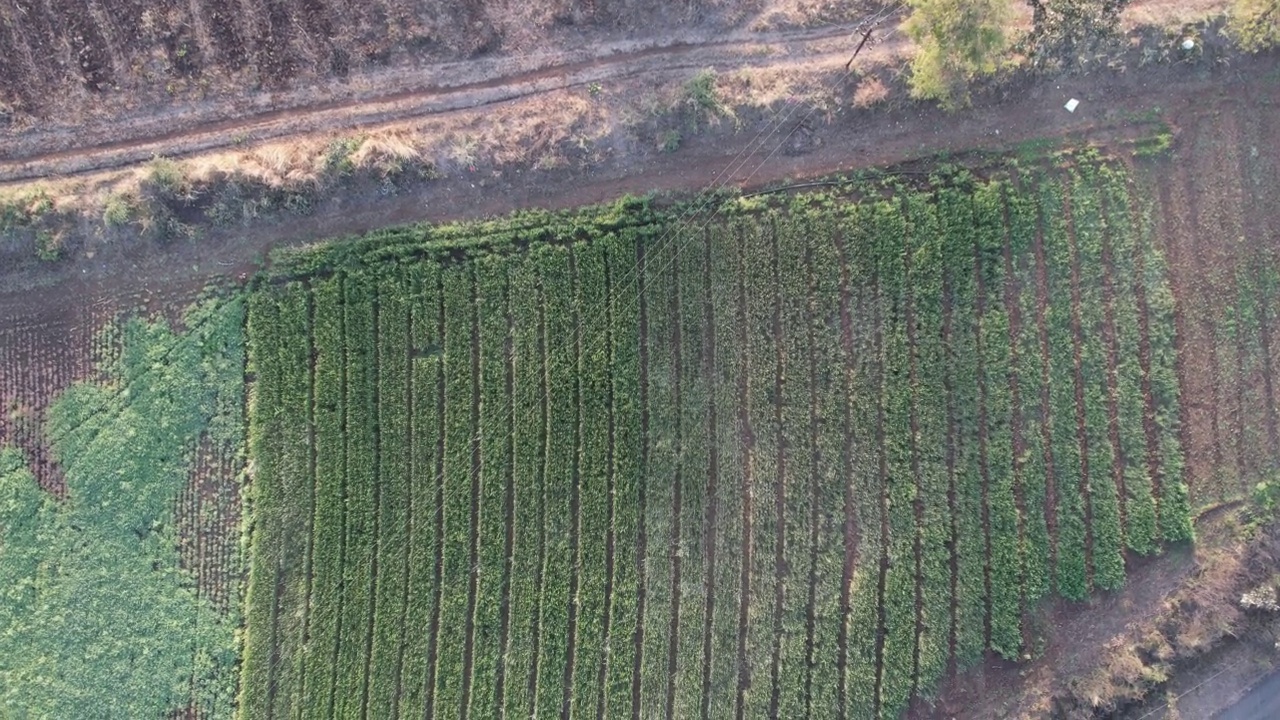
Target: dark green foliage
{"type": "Point", "coordinates": [838, 407]}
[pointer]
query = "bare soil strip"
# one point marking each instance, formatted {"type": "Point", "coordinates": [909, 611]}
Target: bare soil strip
{"type": "Point", "coordinates": [1203, 298]}
{"type": "Point", "coordinates": [1223, 210]}
{"type": "Point", "coordinates": [1261, 134]}
{"type": "Point", "coordinates": [1268, 361]}
{"type": "Point", "coordinates": [1240, 381]}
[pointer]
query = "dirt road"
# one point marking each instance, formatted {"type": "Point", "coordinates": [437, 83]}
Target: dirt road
{"type": "Point", "coordinates": [1263, 701]}
{"type": "Point", "coordinates": [1114, 106]}
{"type": "Point", "coordinates": [402, 94]}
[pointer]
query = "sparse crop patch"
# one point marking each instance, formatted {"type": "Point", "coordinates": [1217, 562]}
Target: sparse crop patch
{"type": "Point", "coordinates": [97, 611]}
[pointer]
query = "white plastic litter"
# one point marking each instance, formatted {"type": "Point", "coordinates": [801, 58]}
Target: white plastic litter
{"type": "Point", "coordinates": [1188, 44]}
{"type": "Point", "coordinates": [1072, 104]}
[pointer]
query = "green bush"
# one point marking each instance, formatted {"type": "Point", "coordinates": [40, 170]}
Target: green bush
{"type": "Point", "coordinates": [168, 179]}
{"type": "Point", "coordinates": [958, 41]}
{"type": "Point", "coordinates": [669, 141]}
{"type": "Point", "coordinates": [118, 210]}
{"type": "Point", "coordinates": [1255, 24]}
{"type": "Point", "coordinates": [48, 245]}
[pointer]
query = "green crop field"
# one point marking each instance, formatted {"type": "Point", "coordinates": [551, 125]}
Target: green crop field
{"type": "Point", "coordinates": [795, 460]}
{"type": "Point", "coordinates": [101, 614]}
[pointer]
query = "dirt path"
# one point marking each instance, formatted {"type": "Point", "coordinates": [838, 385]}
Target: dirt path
{"type": "Point", "coordinates": [86, 130]}
{"type": "Point", "coordinates": [854, 139]}
{"type": "Point", "coordinates": [398, 96]}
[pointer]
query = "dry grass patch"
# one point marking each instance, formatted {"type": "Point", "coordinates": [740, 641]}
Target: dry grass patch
{"type": "Point", "coordinates": [871, 92]}
{"type": "Point", "coordinates": [388, 153]}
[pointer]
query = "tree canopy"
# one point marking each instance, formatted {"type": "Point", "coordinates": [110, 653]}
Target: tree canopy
{"type": "Point", "coordinates": [957, 41]}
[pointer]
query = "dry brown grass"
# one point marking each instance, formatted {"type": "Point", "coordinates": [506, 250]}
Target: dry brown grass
{"type": "Point", "coordinates": [770, 88]}
{"type": "Point", "coordinates": [781, 14]}
{"type": "Point", "coordinates": [871, 92]}
{"type": "Point", "coordinates": [387, 153]}
{"type": "Point", "coordinates": [1195, 619]}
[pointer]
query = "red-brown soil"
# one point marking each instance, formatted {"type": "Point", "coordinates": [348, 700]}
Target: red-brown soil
{"type": "Point", "coordinates": [1202, 209]}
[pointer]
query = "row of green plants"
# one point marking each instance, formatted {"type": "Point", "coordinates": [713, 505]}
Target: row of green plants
{"type": "Point", "coordinates": [461, 440]}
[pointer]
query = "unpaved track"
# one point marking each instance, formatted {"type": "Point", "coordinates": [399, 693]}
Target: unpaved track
{"type": "Point", "coordinates": [855, 139]}
{"type": "Point", "coordinates": [397, 96]}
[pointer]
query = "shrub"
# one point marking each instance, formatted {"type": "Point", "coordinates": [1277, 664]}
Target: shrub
{"type": "Point", "coordinates": [958, 40]}
{"type": "Point", "coordinates": [168, 178]}
{"type": "Point", "coordinates": [669, 141]}
{"type": "Point", "coordinates": [118, 210]}
{"type": "Point", "coordinates": [48, 245]}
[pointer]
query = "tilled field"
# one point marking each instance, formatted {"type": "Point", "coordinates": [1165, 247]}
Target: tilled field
{"type": "Point", "coordinates": [799, 463]}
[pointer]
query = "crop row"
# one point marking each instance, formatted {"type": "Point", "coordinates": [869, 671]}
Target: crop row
{"type": "Point", "coordinates": [847, 448]}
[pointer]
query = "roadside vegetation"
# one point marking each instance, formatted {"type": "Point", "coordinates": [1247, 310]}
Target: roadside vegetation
{"type": "Point", "coordinates": [963, 50]}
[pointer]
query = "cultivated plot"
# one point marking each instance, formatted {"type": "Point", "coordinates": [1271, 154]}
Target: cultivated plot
{"type": "Point", "coordinates": [795, 462]}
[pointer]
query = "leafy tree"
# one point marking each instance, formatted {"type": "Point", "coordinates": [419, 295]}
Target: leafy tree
{"type": "Point", "coordinates": [1255, 24]}
{"type": "Point", "coordinates": [957, 41]}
